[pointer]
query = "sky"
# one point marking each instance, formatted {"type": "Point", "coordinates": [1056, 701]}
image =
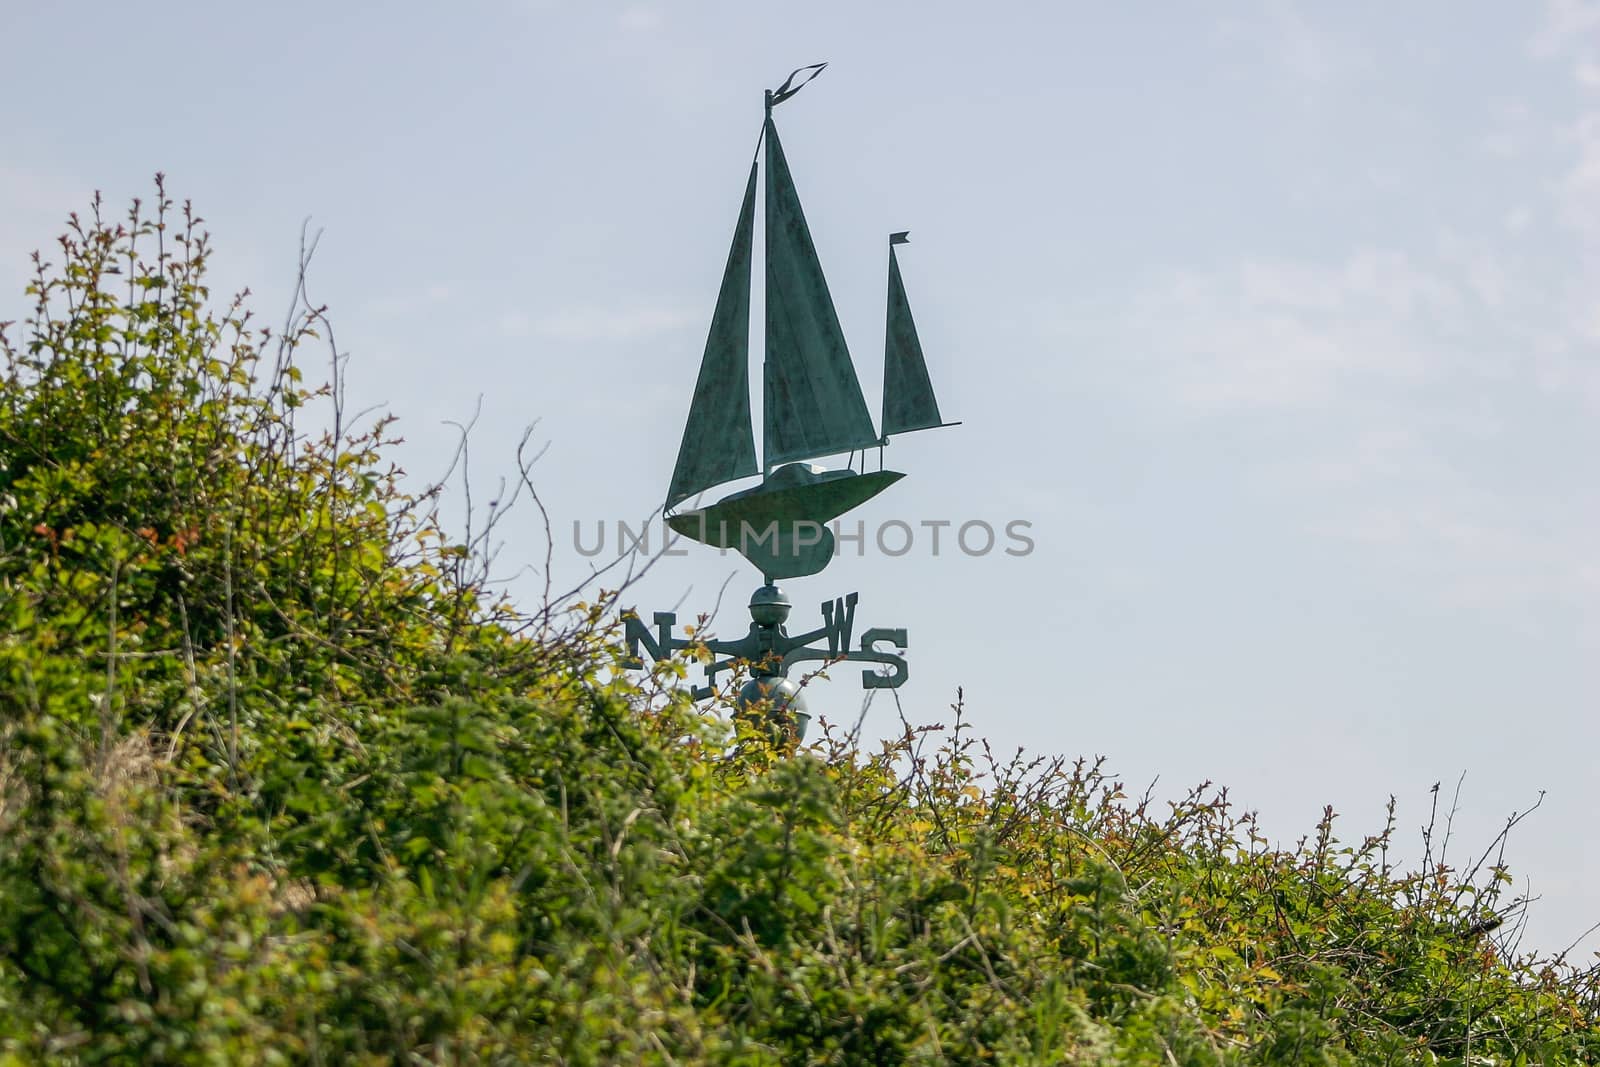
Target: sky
{"type": "Point", "coordinates": [1276, 323]}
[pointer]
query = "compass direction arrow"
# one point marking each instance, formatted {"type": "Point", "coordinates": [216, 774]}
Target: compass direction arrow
{"type": "Point", "coordinates": [768, 650]}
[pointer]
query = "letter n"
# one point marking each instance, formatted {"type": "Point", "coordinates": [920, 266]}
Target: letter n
{"type": "Point", "coordinates": [659, 647]}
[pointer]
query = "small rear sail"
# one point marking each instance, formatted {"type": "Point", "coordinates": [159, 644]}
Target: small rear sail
{"type": "Point", "coordinates": [719, 443]}
{"type": "Point", "coordinates": [908, 401]}
{"type": "Point", "coordinates": [813, 403]}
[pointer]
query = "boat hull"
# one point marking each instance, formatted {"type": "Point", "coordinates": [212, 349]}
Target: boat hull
{"type": "Point", "coordinates": [783, 529]}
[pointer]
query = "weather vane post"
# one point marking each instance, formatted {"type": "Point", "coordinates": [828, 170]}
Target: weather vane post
{"type": "Point", "coordinates": [812, 408]}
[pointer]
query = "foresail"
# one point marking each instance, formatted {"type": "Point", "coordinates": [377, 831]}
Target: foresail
{"type": "Point", "coordinates": [718, 441]}
{"type": "Point", "coordinates": [908, 401]}
{"type": "Point", "coordinates": [813, 403]}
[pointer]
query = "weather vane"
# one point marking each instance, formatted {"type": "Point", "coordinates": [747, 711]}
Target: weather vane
{"type": "Point", "coordinates": [812, 408]}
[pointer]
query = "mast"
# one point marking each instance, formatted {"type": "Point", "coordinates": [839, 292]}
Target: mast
{"type": "Point", "coordinates": [812, 401]}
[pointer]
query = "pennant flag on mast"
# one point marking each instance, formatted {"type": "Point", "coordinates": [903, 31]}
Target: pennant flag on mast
{"type": "Point", "coordinates": [788, 88]}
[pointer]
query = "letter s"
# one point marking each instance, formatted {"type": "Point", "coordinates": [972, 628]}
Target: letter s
{"type": "Point", "coordinates": [869, 654]}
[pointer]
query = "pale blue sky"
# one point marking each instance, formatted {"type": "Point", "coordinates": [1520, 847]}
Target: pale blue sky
{"type": "Point", "coordinates": [1276, 320]}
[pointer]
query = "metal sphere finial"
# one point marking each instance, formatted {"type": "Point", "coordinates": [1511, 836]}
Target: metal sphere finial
{"type": "Point", "coordinates": [769, 606]}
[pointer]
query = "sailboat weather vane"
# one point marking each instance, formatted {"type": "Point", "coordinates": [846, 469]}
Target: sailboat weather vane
{"type": "Point", "coordinates": [812, 408]}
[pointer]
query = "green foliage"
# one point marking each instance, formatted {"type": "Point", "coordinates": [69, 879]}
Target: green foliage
{"type": "Point", "coordinates": [281, 783]}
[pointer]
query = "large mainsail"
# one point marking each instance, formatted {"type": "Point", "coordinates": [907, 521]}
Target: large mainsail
{"type": "Point", "coordinates": [813, 403]}
{"type": "Point", "coordinates": [718, 441]}
{"type": "Point", "coordinates": [908, 401]}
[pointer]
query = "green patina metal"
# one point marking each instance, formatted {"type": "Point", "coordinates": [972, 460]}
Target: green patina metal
{"type": "Point", "coordinates": [908, 400]}
{"type": "Point", "coordinates": [812, 407]}
{"type": "Point", "coordinates": [768, 650]}
{"type": "Point", "coordinates": [781, 525]}
{"type": "Point", "coordinates": [718, 443]}
{"type": "Point", "coordinates": [813, 403]}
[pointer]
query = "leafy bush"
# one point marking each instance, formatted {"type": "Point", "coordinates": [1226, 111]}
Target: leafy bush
{"type": "Point", "coordinates": [280, 782]}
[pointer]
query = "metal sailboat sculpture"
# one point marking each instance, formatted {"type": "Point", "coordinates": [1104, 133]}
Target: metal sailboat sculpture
{"type": "Point", "coordinates": [812, 403]}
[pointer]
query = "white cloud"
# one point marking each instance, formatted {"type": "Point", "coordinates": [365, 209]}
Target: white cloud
{"type": "Point", "coordinates": [1563, 24]}
{"type": "Point", "coordinates": [1428, 402]}
{"type": "Point", "coordinates": [1380, 452]}
{"type": "Point", "coordinates": [1415, 495]}
{"type": "Point", "coordinates": [1514, 131]}
{"type": "Point", "coordinates": [406, 303]}
{"type": "Point", "coordinates": [514, 324]}
{"type": "Point", "coordinates": [1274, 333]}
{"type": "Point", "coordinates": [611, 324]}
{"type": "Point", "coordinates": [640, 18]}
{"type": "Point", "coordinates": [1579, 189]}
{"type": "Point", "coordinates": [1282, 32]}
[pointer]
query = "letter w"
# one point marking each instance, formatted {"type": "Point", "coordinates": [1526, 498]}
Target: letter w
{"type": "Point", "coordinates": [839, 619]}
